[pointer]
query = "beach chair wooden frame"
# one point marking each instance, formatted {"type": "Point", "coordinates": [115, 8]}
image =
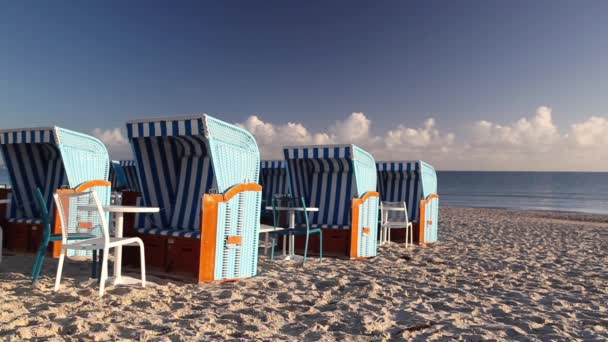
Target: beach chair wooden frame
{"type": "Point", "coordinates": [203, 174]}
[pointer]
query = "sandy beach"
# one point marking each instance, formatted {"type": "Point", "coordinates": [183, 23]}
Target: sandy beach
{"type": "Point", "coordinates": [495, 274]}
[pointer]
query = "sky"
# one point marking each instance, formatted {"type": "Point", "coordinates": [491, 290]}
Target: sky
{"type": "Point", "coordinates": [464, 85]}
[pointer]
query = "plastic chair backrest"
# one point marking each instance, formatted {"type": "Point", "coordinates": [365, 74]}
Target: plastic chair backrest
{"type": "Point", "coordinates": [81, 210]}
{"type": "Point", "coordinates": [393, 216]}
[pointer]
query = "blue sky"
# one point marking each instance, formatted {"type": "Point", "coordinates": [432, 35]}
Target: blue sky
{"type": "Point", "coordinates": [86, 65]}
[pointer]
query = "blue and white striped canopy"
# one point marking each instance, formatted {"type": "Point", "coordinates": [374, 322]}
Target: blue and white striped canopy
{"type": "Point", "coordinates": [174, 168]}
{"type": "Point", "coordinates": [48, 158]}
{"type": "Point", "coordinates": [174, 159]}
{"type": "Point", "coordinates": [401, 181]}
{"type": "Point", "coordinates": [273, 178]}
{"type": "Point", "coordinates": [124, 175]}
{"type": "Point", "coordinates": [325, 177]}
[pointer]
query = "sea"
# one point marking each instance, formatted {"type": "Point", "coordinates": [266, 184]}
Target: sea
{"type": "Point", "coordinates": [564, 191]}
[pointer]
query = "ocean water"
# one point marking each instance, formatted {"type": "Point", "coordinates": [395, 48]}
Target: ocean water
{"type": "Point", "coordinates": [571, 191]}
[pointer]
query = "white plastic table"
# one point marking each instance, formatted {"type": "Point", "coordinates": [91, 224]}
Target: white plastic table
{"type": "Point", "coordinates": [119, 211]}
{"type": "Point", "coordinates": [292, 224]}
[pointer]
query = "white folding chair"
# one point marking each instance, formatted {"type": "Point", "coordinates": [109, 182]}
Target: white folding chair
{"type": "Point", "coordinates": [83, 211]}
{"type": "Point", "coordinates": [394, 215]}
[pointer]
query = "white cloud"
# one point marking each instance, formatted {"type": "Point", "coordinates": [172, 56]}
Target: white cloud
{"type": "Point", "coordinates": [533, 142]}
{"type": "Point", "coordinates": [115, 141]}
{"type": "Point", "coordinates": [534, 132]}
{"type": "Point", "coordinates": [591, 133]}
{"type": "Point", "coordinates": [401, 143]}
{"type": "Point", "coordinates": [424, 137]}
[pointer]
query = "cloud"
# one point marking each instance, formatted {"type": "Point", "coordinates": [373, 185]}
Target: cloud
{"type": "Point", "coordinates": [532, 142]}
{"type": "Point", "coordinates": [427, 136]}
{"type": "Point", "coordinates": [591, 133]}
{"type": "Point", "coordinates": [400, 143]}
{"type": "Point", "coordinates": [115, 141]}
{"type": "Point", "coordinates": [538, 131]}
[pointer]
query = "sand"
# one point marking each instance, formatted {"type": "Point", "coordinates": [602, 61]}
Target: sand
{"type": "Point", "coordinates": [495, 274]}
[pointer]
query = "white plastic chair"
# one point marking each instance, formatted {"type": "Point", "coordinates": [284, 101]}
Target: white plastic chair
{"type": "Point", "coordinates": [394, 215]}
{"type": "Point", "coordinates": [75, 213]}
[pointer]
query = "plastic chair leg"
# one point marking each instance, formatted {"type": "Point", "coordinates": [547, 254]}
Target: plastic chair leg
{"type": "Point", "coordinates": [98, 268]}
{"type": "Point", "coordinates": [94, 265]}
{"type": "Point", "coordinates": [59, 269]}
{"type": "Point", "coordinates": [38, 262]}
{"type": "Point", "coordinates": [272, 248]}
{"type": "Point", "coordinates": [104, 273]}
{"type": "Point", "coordinates": [305, 249]}
{"type": "Point", "coordinates": [142, 261]}
{"type": "Point", "coordinates": [320, 245]}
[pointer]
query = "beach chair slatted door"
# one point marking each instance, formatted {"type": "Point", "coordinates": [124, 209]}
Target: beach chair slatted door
{"type": "Point", "coordinates": [236, 238]}
{"type": "Point", "coordinates": [368, 228]}
{"type": "Point", "coordinates": [431, 214]}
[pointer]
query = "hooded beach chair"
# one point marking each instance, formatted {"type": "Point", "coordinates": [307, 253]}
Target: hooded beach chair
{"type": "Point", "coordinates": [46, 158]}
{"type": "Point", "coordinates": [415, 183]}
{"type": "Point", "coordinates": [123, 175]}
{"type": "Point", "coordinates": [273, 178]}
{"type": "Point", "coordinates": [340, 180]}
{"type": "Point", "coordinates": [203, 175]}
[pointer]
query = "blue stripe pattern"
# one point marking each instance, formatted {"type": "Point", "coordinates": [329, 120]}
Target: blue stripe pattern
{"type": "Point", "coordinates": [171, 232]}
{"type": "Point", "coordinates": [273, 178]}
{"type": "Point", "coordinates": [401, 182]}
{"type": "Point", "coordinates": [33, 161]}
{"type": "Point", "coordinates": [129, 168]}
{"type": "Point", "coordinates": [174, 169]}
{"type": "Point", "coordinates": [123, 174]}
{"type": "Point", "coordinates": [324, 176]}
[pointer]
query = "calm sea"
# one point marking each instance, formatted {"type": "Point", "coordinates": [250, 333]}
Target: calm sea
{"type": "Point", "coordinates": [571, 191]}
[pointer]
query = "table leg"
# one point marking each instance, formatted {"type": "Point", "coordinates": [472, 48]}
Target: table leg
{"type": "Point", "coordinates": [118, 249]}
{"type": "Point", "coordinates": [292, 224]}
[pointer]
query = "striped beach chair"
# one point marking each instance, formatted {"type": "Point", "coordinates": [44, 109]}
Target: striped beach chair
{"type": "Point", "coordinates": [203, 174]}
{"type": "Point", "coordinates": [413, 182]}
{"type": "Point", "coordinates": [123, 175]}
{"type": "Point", "coordinates": [49, 159]}
{"type": "Point", "coordinates": [273, 178]}
{"type": "Point", "coordinates": [340, 180]}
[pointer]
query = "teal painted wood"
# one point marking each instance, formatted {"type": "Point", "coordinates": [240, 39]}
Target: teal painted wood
{"type": "Point", "coordinates": [236, 159]}
{"type": "Point", "coordinates": [84, 158]}
{"type": "Point", "coordinates": [235, 218]}
{"type": "Point", "coordinates": [429, 179]}
{"type": "Point", "coordinates": [366, 178]}
{"type": "Point", "coordinates": [368, 217]}
{"type": "Point", "coordinates": [235, 154]}
{"type": "Point", "coordinates": [431, 214]}
{"type": "Point", "coordinates": [365, 171]}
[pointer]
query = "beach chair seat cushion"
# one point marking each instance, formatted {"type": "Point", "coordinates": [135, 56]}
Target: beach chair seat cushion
{"type": "Point", "coordinates": [185, 233]}
{"type": "Point", "coordinates": [328, 226]}
{"type": "Point", "coordinates": [24, 220]}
